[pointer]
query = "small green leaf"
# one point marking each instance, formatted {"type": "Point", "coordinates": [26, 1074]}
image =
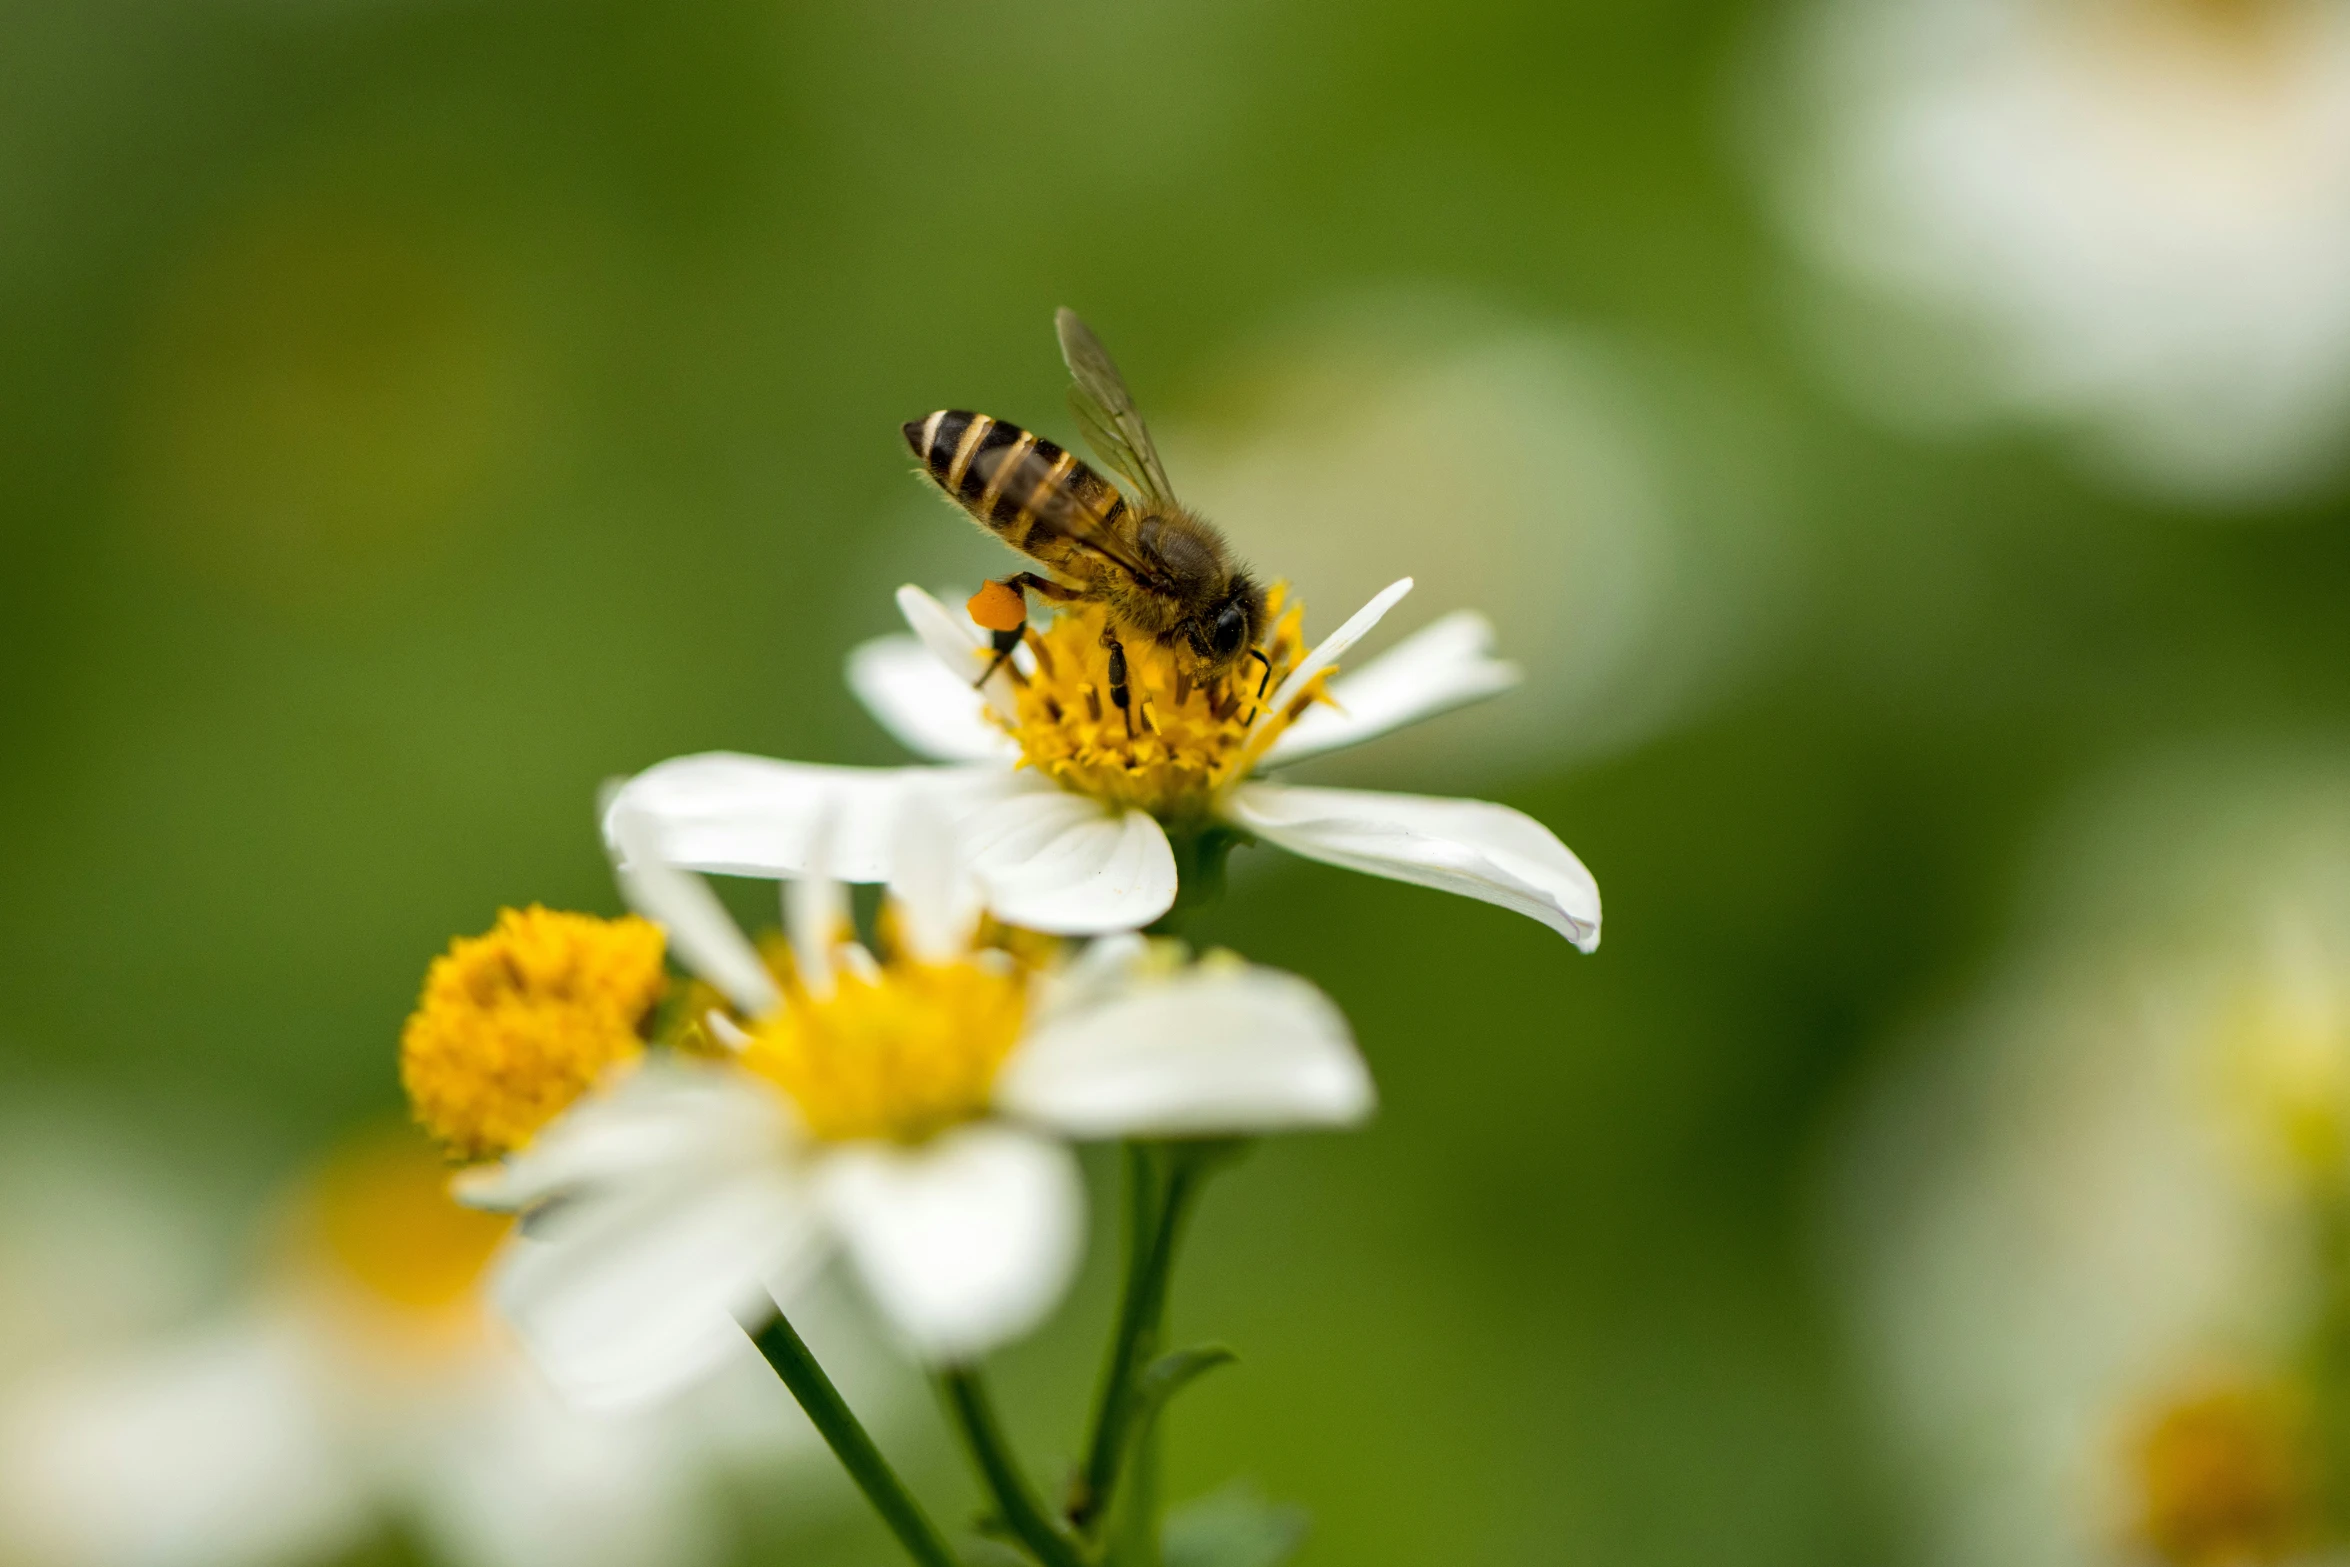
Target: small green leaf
{"type": "Point", "coordinates": [1235, 1527]}
{"type": "Point", "coordinates": [1160, 1381]}
{"type": "Point", "coordinates": [1171, 1372]}
{"type": "Point", "coordinates": [1165, 1377]}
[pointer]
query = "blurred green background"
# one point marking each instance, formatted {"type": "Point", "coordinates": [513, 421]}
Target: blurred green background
{"type": "Point", "coordinates": [415, 413]}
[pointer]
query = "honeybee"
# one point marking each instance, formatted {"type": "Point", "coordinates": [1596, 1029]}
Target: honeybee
{"type": "Point", "coordinates": [1160, 570]}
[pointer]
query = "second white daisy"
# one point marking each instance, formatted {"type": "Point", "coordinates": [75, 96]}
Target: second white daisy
{"type": "Point", "coordinates": [913, 1114]}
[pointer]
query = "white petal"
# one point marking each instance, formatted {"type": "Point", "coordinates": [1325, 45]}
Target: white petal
{"type": "Point", "coordinates": [960, 647]}
{"type": "Point", "coordinates": [668, 1116]}
{"type": "Point", "coordinates": [634, 1297]}
{"type": "Point", "coordinates": [1065, 863]}
{"type": "Point", "coordinates": [1445, 664]}
{"type": "Point", "coordinates": [965, 1242]}
{"type": "Point", "coordinates": [1100, 972]}
{"type": "Point", "coordinates": [212, 1452]}
{"type": "Point", "coordinates": [1220, 1048]}
{"type": "Point", "coordinates": [929, 711]}
{"type": "Point", "coordinates": [816, 919]}
{"type": "Point", "coordinates": [1471, 847]}
{"type": "Point", "coordinates": [699, 929]}
{"type": "Point", "coordinates": [1331, 648]}
{"type": "Point", "coordinates": [932, 885]}
{"type": "Point", "coordinates": [750, 816]}
{"type": "Point", "coordinates": [666, 1210]}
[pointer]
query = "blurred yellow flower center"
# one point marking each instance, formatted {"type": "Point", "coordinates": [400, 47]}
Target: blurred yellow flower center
{"type": "Point", "coordinates": [2229, 15]}
{"type": "Point", "coordinates": [2290, 1066]}
{"type": "Point", "coordinates": [2224, 1480]}
{"type": "Point", "coordinates": [901, 1053]}
{"type": "Point", "coordinates": [515, 1025]}
{"type": "Point", "coordinates": [1187, 741]}
{"type": "Point", "coordinates": [381, 1214]}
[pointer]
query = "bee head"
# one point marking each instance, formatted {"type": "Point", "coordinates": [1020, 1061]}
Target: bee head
{"type": "Point", "coordinates": [1230, 626]}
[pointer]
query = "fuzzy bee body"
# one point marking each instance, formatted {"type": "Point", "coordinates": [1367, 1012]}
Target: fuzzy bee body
{"type": "Point", "coordinates": [1161, 571]}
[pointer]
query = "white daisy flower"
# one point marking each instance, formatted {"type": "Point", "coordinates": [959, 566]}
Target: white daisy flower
{"type": "Point", "coordinates": [911, 1114]}
{"type": "Point", "coordinates": [2083, 1224]}
{"type": "Point", "coordinates": [2130, 217]}
{"type": "Point", "coordinates": [362, 1381]}
{"type": "Point", "coordinates": [1066, 813]}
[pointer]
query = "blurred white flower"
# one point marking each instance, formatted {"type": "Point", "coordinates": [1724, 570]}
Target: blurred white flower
{"type": "Point", "coordinates": [1619, 514]}
{"type": "Point", "coordinates": [1061, 802]}
{"type": "Point", "coordinates": [910, 1113]}
{"type": "Point", "coordinates": [96, 1245]}
{"type": "Point", "coordinates": [359, 1380]}
{"type": "Point", "coordinates": [2087, 1196]}
{"type": "Point", "coordinates": [2130, 218]}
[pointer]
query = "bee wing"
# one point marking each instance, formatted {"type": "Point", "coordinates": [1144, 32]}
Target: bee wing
{"type": "Point", "coordinates": [1106, 413]}
{"type": "Point", "coordinates": [1060, 510]}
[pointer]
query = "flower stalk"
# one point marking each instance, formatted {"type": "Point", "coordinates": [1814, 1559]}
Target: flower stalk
{"type": "Point", "coordinates": [846, 1436]}
{"type": "Point", "coordinates": [1163, 1180]}
{"type": "Point", "coordinates": [1016, 1502]}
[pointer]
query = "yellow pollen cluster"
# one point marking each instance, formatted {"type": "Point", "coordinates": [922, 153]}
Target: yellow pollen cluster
{"type": "Point", "coordinates": [901, 1053]}
{"type": "Point", "coordinates": [2224, 1480]}
{"type": "Point", "coordinates": [515, 1025]}
{"type": "Point", "coordinates": [1187, 741]}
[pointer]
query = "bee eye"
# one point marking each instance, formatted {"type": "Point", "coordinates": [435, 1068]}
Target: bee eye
{"type": "Point", "coordinates": [1231, 629]}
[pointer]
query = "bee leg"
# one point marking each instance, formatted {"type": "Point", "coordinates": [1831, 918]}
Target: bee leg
{"type": "Point", "coordinates": [1120, 697]}
{"type": "Point", "coordinates": [1001, 609]}
{"type": "Point", "coordinates": [1265, 678]}
{"type": "Point", "coordinates": [1044, 587]}
{"type": "Point", "coordinates": [1005, 644]}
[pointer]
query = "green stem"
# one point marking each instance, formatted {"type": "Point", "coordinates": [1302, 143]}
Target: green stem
{"type": "Point", "coordinates": [974, 1413]}
{"type": "Point", "coordinates": [1134, 1528]}
{"type": "Point", "coordinates": [831, 1416]}
{"type": "Point", "coordinates": [1088, 1504]}
{"type": "Point", "coordinates": [1155, 1216]}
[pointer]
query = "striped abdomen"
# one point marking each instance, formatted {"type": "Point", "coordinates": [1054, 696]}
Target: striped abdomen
{"type": "Point", "coordinates": [1009, 478]}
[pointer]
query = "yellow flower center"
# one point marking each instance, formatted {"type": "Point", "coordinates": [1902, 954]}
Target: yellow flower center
{"type": "Point", "coordinates": [515, 1025]}
{"type": "Point", "coordinates": [901, 1052]}
{"type": "Point", "coordinates": [1187, 742]}
{"type": "Point", "coordinates": [2224, 1480]}
{"type": "Point", "coordinates": [2288, 1062]}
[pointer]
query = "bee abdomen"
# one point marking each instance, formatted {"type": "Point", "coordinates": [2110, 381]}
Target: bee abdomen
{"type": "Point", "coordinates": [1004, 475]}
{"type": "Point", "coordinates": [950, 443]}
